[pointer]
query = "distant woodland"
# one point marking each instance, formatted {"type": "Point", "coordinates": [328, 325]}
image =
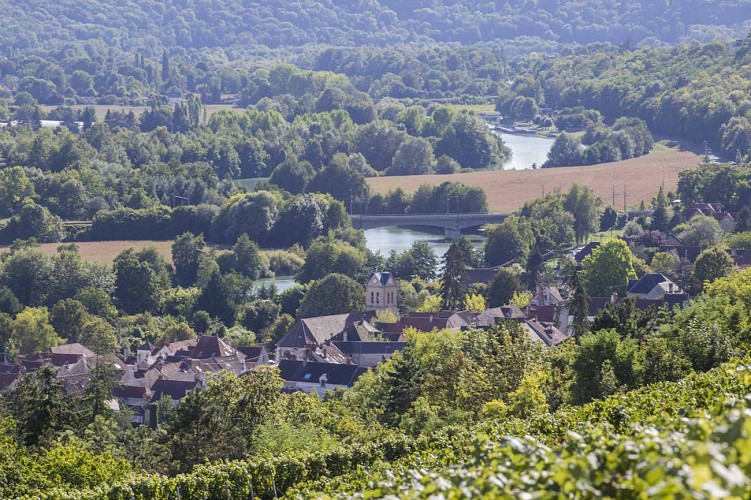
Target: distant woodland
{"type": "Point", "coordinates": [238, 26]}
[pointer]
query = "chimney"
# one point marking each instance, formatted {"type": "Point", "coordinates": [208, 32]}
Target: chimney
{"type": "Point", "coordinates": [614, 298]}
{"type": "Point", "coordinates": [670, 287]}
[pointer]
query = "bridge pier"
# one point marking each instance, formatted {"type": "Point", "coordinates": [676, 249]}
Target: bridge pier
{"type": "Point", "coordinates": [452, 233]}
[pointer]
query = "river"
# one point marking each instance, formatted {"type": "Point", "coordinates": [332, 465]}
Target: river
{"type": "Point", "coordinates": [527, 150]}
{"type": "Point", "coordinates": [385, 239]}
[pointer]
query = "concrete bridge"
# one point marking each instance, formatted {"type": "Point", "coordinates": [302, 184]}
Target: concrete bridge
{"type": "Point", "coordinates": [452, 224]}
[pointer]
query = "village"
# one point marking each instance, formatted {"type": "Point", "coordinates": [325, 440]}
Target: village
{"type": "Point", "coordinates": [320, 354]}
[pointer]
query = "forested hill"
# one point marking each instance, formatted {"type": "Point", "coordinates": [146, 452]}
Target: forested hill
{"type": "Point", "coordinates": [31, 25]}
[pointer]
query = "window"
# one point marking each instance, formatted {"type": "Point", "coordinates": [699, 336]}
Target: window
{"type": "Point", "coordinates": [371, 297]}
{"type": "Point", "coordinates": [378, 297]}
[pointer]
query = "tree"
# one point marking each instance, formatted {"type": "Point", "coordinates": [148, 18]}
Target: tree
{"type": "Point", "coordinates": [136, 285]}
{"type": "Point", "coordinates": [334, 294]}
{"type": "Point", "coordinates": [580, 202]}
{"type": "Point", "coordinates": [15, 190]}
{"type": "Point", "coordinates": [41, 408]}
{"type": "Point", "coordinates": [292, 175]}
{"type": "Point", "coordinates": [99, 389]}
{"type": "Point", "coordinates": [626, 319]}
{"type": "Point", "coordinates": [187, 250]}
{"type": "Point", "coordinates": [340, 180]}
{"type": "Point", "coordinates": [468, 141]}
{"type": "Point", "coordinates": [608, 219]}
{"type": "Point", "coordinates": [220, 422]}
{"type": "Point", "coordinates": [453, 286]}
{"type": "Point", "coordinates": [578, 305]}
{"type": "Point", "coordinates": [419, 261]}
{"type": "Point", "coordinates": [253, 214]}
{"type": "Point", "coordinates": [711, 264]}
{"type": "Point", "coordinates": [35, 221]}
{"type": "Point", "coordinates": [607, 269]}
{"type": "Point", "coordinates": [67, 317]}
{"type": "Point", "coordinates": [258, 315]}
{"type": "Point", "coordinates": [660, 215]}
{"type": "Point", "coordinates": [28, 274]}
{"type": "Point", "coordinates": [596, 353]}
{"type": "Point", "coordinates": [99, 336]}
{"type": "Point", "coordinates": [216, 299]}
{"type": "Point", "coordinates": [743, 220]}
{"type": "Point", "coordinates": [565, 152]}
{"type": "Point", "coordinates": [246, 258]}
{"type": "Point", "coordinates": [701, 231]}
{"type": "Point", "coordinates": [32, 332]}
{"type": "Point", "coordinates": [503, 287]}
{"type": "Point", "coordinates": [414, 156]}
{"type": "Point", "coordinates": [507, 241]}
{"type": "Point", "coordinates": [474, 303]}
{"type": "Point", "coordinates": [403, 383]}
{"type": "Point", "coordinates": [665, 263]}
{"type": "Point", "coordinates": [330, 256]}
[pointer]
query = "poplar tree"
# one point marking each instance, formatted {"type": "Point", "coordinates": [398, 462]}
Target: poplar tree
{"type": "Point", "coordinates": [454, 288]}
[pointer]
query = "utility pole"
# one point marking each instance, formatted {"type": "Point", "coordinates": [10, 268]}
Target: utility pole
{"type": "Point", "coordinates": [624, 198]}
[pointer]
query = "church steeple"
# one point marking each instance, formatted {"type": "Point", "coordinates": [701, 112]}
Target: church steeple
{"type": "Point", "coordinates": [381, 293]}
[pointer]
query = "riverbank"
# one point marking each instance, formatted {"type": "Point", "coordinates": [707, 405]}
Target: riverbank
{"type": "Point", "coordinates": [507, 190]}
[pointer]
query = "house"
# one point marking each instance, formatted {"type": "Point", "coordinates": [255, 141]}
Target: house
{"type": "Point", "coordinates": [714, 210]}
{"type": "Point", "coordinates": [585, 251]}
{"type": "Point", "coordinates": [318, 377]}
{"type": "Point", "coordinates": [682, 252]}
{"type": "Point", "coordinates": [544, 332]}
{"type": "Point", "coordinates": [424, 322]}
{"type": "Point", "coordinates": [743, 259]}
{"type": "Point", "coordinates": [652, 286]}
{"type": "Point", "coordinates": [10, 374]}
{"type": "Point", "coordinates": [369, 354]}
{"type": "Point", "coordinates": [546, 296]}
{"type": "Point", "coordinates": [480, 275]}
{"type": "Point", "coordinates": [209, 346]}
{"type": "Point", "coordinates": [309, 332]}
{"type": "Point", "coordinates": [381, 293]}
{"type": "Point", "coordinates": [69, 353]}
{"type": "Point", "coordinates": [254, 355]}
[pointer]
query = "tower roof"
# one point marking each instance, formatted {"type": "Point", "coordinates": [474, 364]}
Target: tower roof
{"type": "Point", "coordinates": [384, 279]}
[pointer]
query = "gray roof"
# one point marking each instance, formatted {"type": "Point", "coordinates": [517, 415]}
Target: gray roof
{"type": "Point", "coordinates": [350, 348]}
{"type": "Point", "coordinates": [646, 283]}
{"type": "Point", "coordinates": [384, 278]}
{"type": "Point", "coordinates": [311, 372]}
{"type": "Point", "coordinates": [322, 328]}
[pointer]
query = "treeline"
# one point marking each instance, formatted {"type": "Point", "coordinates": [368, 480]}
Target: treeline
{"type": "Point", "coordinates": [191, 25]}
{"type": "Point", "coordinates": [448, 197]}
{"type": "Point", "coordinates": [627, 138]}
{"type": "Point", "coordinates": [695, 92]}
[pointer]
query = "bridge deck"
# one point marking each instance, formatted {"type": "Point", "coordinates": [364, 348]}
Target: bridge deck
{"type": "Point", "coordinates": [451, 223]}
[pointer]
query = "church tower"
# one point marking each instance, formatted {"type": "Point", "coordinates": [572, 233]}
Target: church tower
{"type": "Point", "coordinates": [381, 293]}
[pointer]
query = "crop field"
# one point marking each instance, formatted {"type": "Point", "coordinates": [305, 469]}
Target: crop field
{"type": "Point", "coordinates": [507, 190]}
{"type": "Point", "coordinates": [104, 252]}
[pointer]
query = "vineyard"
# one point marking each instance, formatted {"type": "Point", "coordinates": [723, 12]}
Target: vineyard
{"type": "Point", "coordinates": [685, 439]}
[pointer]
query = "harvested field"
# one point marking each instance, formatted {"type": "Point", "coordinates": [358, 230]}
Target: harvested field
{"type": "Point", "coordinates": [507, 190]}
{"type": "Point", "coordinates": [105, 252]}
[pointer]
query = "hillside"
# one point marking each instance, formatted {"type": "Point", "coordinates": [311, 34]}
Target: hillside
{"type": "Point", "coordinates": [508, 190]}
{"type": "Point", "coordinates": [192, 24]}
{"type": "Point", "coordinates": [701, 420]}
